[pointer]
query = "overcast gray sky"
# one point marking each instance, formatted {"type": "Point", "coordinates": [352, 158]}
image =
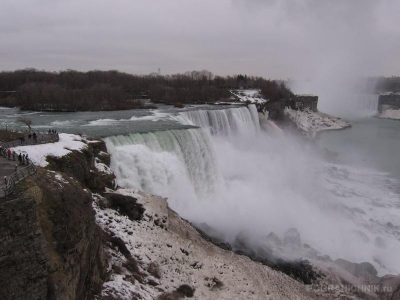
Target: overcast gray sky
{"type": "Point", "coordinates": [272, 38]}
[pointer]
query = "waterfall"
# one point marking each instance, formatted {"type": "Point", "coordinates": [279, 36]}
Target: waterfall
{"type": "Point", "coordinates": [254, 116]}
{"type": "Point", "coordinates": [172, 163]}
{"type": "Point", "coordinates": [165, 162]}
{"type": "Point", "coordinates": [367, 104]}
{"type": "Point", "coordinates": [224, 122]}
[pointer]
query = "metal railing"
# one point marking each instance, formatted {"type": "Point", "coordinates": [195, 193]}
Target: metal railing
{"type": "Point", "coordinates": [17, 176]}
{"type": "Point", "coordinates": [14, 178]}
{"type": "Point", "coordinates": [41, 139]}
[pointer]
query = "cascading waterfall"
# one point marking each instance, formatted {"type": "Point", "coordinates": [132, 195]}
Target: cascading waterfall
{"type": "Point", "coordinates": [367, 104]}
{"type": "Point", "coordinates": [162, 162]}
{"type": "Point", "coordinates": [254, 116]}
{"type": "Point", "coordinates": [224, 122]}
{"type": "Point", "coordinates": [165, 162]}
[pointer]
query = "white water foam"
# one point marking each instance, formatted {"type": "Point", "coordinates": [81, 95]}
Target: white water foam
{"type": "Point", "coordinates": [257, 183]}
{"type": "Point", "coordinates": [224, 122]}
{"type": "Point", "coordinates": [179, 164]}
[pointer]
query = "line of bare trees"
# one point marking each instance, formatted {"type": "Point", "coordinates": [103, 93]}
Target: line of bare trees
{"type": "Point", "coordinates": [71, 90]}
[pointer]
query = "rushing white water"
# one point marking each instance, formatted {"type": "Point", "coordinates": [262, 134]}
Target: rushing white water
{"type": "Point", "coordinates": [367, 104]}
{"type": "Point", "coordinates": [240, 179]}
{"type": "Point", "coordinates": [179, 164]}
{"type": "Point", "coordinates": [224, 122]}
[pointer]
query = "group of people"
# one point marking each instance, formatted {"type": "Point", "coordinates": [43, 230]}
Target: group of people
{"type": "Point", "coordinates": [30, 136]}
{"type": "Point", "coordinates": [23, 159]}
{"type": "Point", "coordinates": [34, 137]}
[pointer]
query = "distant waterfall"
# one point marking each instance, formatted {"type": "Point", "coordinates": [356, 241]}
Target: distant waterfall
{"type": "Point", "coordinates": [367, 104]}
{"type": "Point", "coordinates": [224, 122]}
{"type": "Point", "coordinates": [169, 163]}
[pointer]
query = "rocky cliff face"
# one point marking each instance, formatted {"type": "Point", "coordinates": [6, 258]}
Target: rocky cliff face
{"type": "Point", "coordinates": [50, 245]}
{"type": "Point", "coordinates": [388, 100]}
{"type": "Point", "coordinates": [81, 166]}
{"type": "Point", "coordinates": [23, 251]}
{"type": "Point", "coordinates": [157, 255]}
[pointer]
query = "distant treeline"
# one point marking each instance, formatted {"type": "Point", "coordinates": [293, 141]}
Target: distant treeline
{"type": "Point", "coordinates": [387, 84]}
{"type": "Point", "coordinates": [378, 84]}
{"type": "Point", "coordinates": [111, 90]}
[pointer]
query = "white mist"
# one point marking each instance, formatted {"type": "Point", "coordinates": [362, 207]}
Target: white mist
{"type": "Point", "coordinates": [255, 182]}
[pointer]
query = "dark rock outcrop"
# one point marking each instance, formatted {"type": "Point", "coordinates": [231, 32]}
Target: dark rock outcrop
{"type": "Point", "coordinates": [24, 259]}
{"type": "Point", "coordinates": [80, 166]}
{"type": "Point", "coordinates": [126, 205]}
{"type": "Point", "coordinates": [357, 270]}
{"type": "Point", "coordinates": [300, 270]}
{"type": "Point", "coordinates": [292, 238]}
{"type": "Point", "coordinates": [52, 248]}
{"type": "Point", "coordinates": [388, 99]}
{"type": "Point", "coordinates": [390, 287]}
{"type": "Point", "coordinates": [273, 239]}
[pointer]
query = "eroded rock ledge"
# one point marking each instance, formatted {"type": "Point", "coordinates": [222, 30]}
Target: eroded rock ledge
{"type": "Point", "coordinates": [50, 245]}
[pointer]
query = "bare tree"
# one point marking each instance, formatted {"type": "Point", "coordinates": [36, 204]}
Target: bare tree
{"type": "Point", "coordinates": [26, 121]}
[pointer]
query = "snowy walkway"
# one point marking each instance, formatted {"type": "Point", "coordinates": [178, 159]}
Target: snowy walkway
{"type": "Point", "coordinates": [7, 166]}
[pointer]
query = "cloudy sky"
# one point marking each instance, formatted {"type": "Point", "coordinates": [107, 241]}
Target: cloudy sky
{"type": "Point", "coordinates": [272, 38]}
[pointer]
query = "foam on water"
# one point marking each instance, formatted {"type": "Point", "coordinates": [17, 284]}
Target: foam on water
{"type": "Point", "coordinates": [63, 123]}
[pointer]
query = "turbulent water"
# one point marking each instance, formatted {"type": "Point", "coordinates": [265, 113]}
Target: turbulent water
{"type": "Point", "coordinates": [178, 163]}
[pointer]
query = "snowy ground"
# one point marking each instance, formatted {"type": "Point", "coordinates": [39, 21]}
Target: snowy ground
{"type": "Point", "coordinates": [390, 113]}
{"type": "Point", "coordinates": [101, 167]}
{"type": "Point", "coordinates": [312, 122]}
{"type": "Point", "coordinates": [253, 96]}
{"type": "Point", "coordinates": [183, 257]}
{"type": "Point", "coordinates": [38, 153]}
{"type": "Point", "coordinates": [162, 241]}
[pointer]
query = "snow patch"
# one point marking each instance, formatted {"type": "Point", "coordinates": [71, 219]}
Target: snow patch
{"type": "Point", "coordinates": [253, 96]}
{"type": "Point", "coordinates": [390, 113]}
{"type": "Point", "coordinates": [311, 122]}
{"type": "Point", "coordinates": [38, 153]}
{"type": "Point", "coordinates": [60, 178]}
{"type": "Point", "coordinates": [101, 167]}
